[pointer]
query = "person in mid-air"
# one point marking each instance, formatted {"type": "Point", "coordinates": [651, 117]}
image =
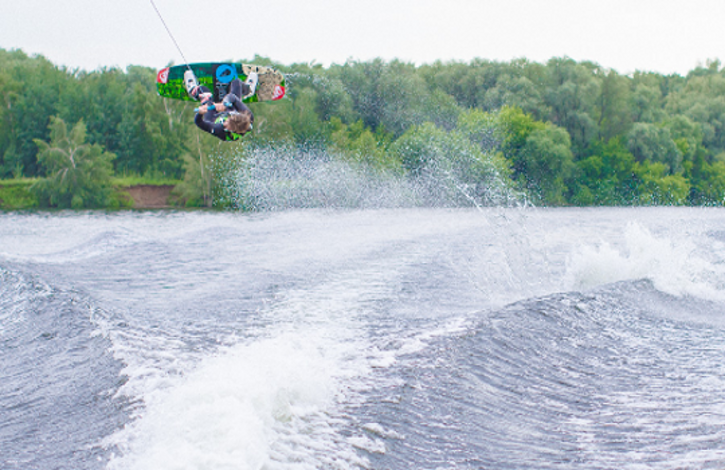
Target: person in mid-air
{"type": "Point", "coordinates": [230, 119]}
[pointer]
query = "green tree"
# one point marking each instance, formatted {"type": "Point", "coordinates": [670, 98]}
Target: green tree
{"type": "Point", "coordinates": [708, 185]}
{"type": "Point", "coordinates": [540, 154]}
{"type": "Point", "coordinates": [389, 95]}
{"type": "Point", "coordinates": [456, 79]}
{"type": "Point", "coordinates": [29, 105]}
{"type": "Point", "coordinates": [607, 177]}
{"type": "Point", "coordinates": [515, 91]}
{"type": "Point", "coordinates": [304, 121]}
{"type": "Point", "coordinates": [272, 122]}
{"type": "Point", "coordinates": [613, 111]}
{"type": "Point", "coordinates": [78, 174]}
{"type": "Point", "coordinates": [687, 136]}
{"type": "Point", "coordinates": [333, 100]}
{"type": "Point", "coordinates": [358, 144]}
{"type": "Point", "coordinates": [451, 167]}
{"type": "Point", "coordinates": [481, 128]}
{"type": "Point", "coordinates": [441, 109]}
{"type": "Point", "coordinates": [362, 84]}
{"type": "Point", "coordinates": [571, 93]}
{"type": "Point", "coordinates": [647, 103]}
{"type": "Point", "coordinates": [549, 163]}
{"type": "Point", "coordinates": [702, 100]}
{"type": "Point", "coordinates": [659, 187]}
{"type": "Point", "coordinates": [196, 188]}
{"type": "Point", "coordinates": [10, 159]}
{"type": "Point", "coordinates": [653, 143]}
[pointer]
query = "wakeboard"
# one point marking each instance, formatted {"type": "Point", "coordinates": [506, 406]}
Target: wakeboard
{"type": "Point", "coordinates": [217, 76]}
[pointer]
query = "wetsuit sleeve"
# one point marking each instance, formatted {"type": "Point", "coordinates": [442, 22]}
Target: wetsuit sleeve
{"type": "Point", "coordinates": [238, 105]}
{"type": "Point", "coordinates": [217, 130]}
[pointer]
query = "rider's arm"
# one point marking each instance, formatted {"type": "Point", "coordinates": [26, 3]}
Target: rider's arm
{"type": "Point", "coordinates": [216, 130]}
{"type": "Point", "coordinates": [237, 105]}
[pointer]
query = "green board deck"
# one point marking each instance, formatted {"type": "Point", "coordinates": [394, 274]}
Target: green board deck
{"type": "Point", "coordinates": [216, 76]}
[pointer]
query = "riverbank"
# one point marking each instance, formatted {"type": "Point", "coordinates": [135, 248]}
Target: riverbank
{"type": "Point", "coordinates": [16, 194]}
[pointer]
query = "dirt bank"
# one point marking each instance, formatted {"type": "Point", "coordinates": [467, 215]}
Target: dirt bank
{"type": "Point", "coordinates": [146, 196]}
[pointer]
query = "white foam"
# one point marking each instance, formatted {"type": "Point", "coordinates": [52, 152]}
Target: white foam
{"type": "Point", "coordinates": [420, 341]}
{"type": "Point", "coordinates": [238, 409]}
{"type": "Point", "coordinates": [276, 399]}
{"type": "Point", "coordinates": [379, 430]}
{"type": "Point", "coordinates": [673, 266]}
{"type": "Point", "coordinates": [374, 446]}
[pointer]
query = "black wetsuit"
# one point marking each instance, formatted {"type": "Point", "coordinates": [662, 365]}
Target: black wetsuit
{"type": "Point", "coordinates": [213, 121]}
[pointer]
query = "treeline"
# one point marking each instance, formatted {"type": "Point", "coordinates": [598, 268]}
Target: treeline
{"type": "Point", "coordinates": [564, 132]}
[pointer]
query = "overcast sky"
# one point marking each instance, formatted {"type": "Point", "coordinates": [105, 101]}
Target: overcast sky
{"type": "Point", "coordinates": [665, 36]}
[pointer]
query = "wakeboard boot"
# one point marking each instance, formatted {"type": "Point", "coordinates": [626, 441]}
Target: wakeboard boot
{"type": "Point", "coordinates": [251, 82]}
{"type": "Point", "coordinates": [191, 84]}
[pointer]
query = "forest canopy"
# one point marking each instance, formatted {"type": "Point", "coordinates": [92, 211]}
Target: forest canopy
{"type": "Point", "coordinates": [563, 132]}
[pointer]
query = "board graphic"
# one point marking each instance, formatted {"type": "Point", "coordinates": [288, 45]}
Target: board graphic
{"type": "Point", "coordinates": [216, 76]}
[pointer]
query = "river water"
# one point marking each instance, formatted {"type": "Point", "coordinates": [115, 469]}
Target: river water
{"type": "Point", "coordinates": [381, 339]}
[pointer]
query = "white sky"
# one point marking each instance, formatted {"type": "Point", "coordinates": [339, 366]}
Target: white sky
{"type": "Point", "coordinates": [665, 36]}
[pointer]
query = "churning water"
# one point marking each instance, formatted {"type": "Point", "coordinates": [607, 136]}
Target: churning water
{"type": "Point", "coordinates": [382, 338]}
